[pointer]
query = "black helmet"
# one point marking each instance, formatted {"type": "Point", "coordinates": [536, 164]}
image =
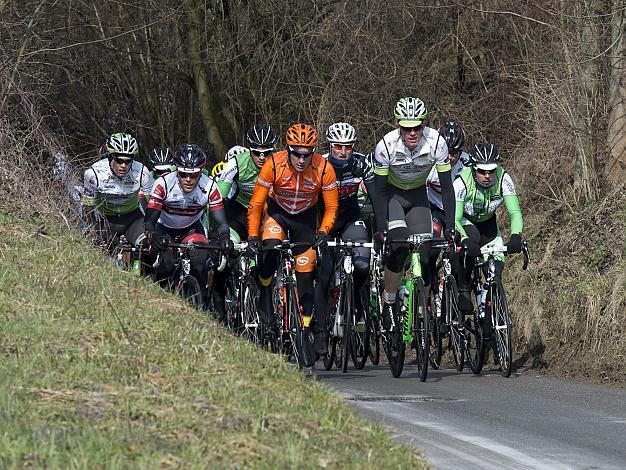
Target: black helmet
{"type": "Point", "coordinates": [161, 158]}
{"type": "Point", "coordinates": [485, 156]}
{"type": "Point", "coordinates": [190, 157]}
{"type": "Point", "coordinates": [454, 134]}
{"type": "Point", "coordinates": [261, 135]}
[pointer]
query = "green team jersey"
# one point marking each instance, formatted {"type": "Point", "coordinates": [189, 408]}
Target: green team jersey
{"type": "Point", "coordinates": [242, 172]}
{"type": "Point", "coordinates": [475, 204]}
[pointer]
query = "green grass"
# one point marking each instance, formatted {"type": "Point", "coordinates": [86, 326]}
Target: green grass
{"type": "Point", "coordinates": [100, 369]}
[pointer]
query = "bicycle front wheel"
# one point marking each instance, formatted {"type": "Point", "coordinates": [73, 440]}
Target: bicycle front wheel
{"type": "Point", "coordinates": [347, 315]}
{"type": "Point", "coordinates": [295, 327]}
{"type": "Point", "coordinates": [436, 336]}
{"type": "Point", "coordinates": [421, 323]}
{"type": "Point", "coordinates": [360, 337]}
{"type": "Point", "coordinates": [188, 289]}
{"type": "Point", "coordinates": [451, 309]}
{"type": "Point", "coordinates": [253, 328]}
{"type": "Point", "coordinates": [501, 319]}
{"type": "Point", "coordinates": [395, 349]}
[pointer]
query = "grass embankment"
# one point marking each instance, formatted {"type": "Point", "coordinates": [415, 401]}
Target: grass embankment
{"type": "Point", "coordinates": [570, 307]}
{"type": "Point", "coordinates": [102, 369]}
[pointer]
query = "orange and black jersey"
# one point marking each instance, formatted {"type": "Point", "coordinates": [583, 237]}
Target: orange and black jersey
{"type": "Point", "coordinates": [293, 191]}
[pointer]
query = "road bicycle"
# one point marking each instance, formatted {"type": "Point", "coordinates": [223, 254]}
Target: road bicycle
{"type": "Point", "coordinates": [491, 315]}
{"type": "Point", "coordinates": [348, 332]}
{"type": "Point", "coordinates": [412, 305]}
{"type": "Point", "coordinates": [447, 321]}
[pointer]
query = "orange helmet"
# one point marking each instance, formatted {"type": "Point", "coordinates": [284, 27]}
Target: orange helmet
{"type": "Point", "coordinates": [301, 135]}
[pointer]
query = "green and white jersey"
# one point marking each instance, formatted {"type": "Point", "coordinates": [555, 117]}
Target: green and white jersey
{"type": "Point", "coordinates": [409, 169]}
{"type": "Point", "coordinates": [112, 195]}
{"type": "Point", "coordinates": [475, 203]}
{"type": "Point", "coordinates": [238, 178]}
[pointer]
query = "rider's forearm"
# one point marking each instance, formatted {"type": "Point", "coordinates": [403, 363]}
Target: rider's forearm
{"type": "Point", "coordinates": [379, 202]}
{"type": "Point", "coordinates": [219, 216]}
{"type": "Point", "coordinates": [151, 218]}
{"type": "Point", "coordinates": [255, 208]}
{"type": "Point", "coordinates": [331, 204]}
{"type": "Point", "coordinates": [447, 197]}
{"type": "Point", "coordinates": [515, 213]}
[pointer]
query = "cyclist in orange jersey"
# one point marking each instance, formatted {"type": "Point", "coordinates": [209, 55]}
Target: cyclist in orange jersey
{"type": "Point", "coordinates": [296, 177]}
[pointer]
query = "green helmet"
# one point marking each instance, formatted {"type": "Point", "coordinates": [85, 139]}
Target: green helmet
{"type": "Point", "coordinates": [122, 143]}
{"type": "Point", "coordinates": [410, 111]}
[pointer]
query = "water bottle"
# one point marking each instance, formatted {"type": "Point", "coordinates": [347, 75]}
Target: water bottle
{"type": "Point", "coordinates": [136, 268]}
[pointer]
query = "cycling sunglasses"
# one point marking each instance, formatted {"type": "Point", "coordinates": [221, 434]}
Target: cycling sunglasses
{"type": "Point", "coordinates": [122, 160]}
{"type": "Point", "coordinates": [342, 146]}
{"type": "Point", "coordinates": [192, 176]}
{"type": "Point", "coordinates": [415, 128]}
{"type": "Point", "coordinates": [302, 155]}
{"type": "Point", "coordinates": [263, 152]}
{"type": "Point", "coordinates": [485, 172]}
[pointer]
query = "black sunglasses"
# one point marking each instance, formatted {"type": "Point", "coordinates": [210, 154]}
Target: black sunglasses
{"type": "Point", "coordinates": [123, 160]}
{"type": "Point", "coordinates": [485, 172]}
{"type": "Point", "coordinates": [261, 153]}
{"type": "Point", "coordinates": [415, 128]}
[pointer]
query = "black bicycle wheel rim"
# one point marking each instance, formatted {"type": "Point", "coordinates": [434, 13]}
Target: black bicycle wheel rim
{"type": "Point", "coordinates": [436, 340]}
{"type": "Point", "coordinates": [395, 349]}
{"type": "Point", "coordinates": [421, 333]}
{"type": "Point", "coordinates": [474, 342]}
{"type": "Point", "coordinates": [253, 329]}
{"type": "Point", "coordinates": [451, 308]}
{"type": "Point", "coordinates": [360, 335]}
{"type": "Point", "coordinates": [329, 359]}
{"type": "Point", "coordinates": [502, 330]}
{"type": "Point", "coordinates": [189, 291]}
{"type": "Point", "coordinates": [347, 315]}
{"type": "Point", "coordinates": [295, 328]}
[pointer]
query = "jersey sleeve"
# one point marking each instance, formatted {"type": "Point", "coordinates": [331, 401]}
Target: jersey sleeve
{"type": "Point", "coordinates": [330, 193]}
{"type": "Point", "coordinates": [442, 159]}
{"type": "Point", "coordinates": [90, 184]}
{"type": "Point", "coordinates": [459, 196]}
{"type": "Point", "coordinates": [261, 189]}
{"type": "Point", "coordinates": [215, 198]}
{"type": "Point", "coordinates": [146, 183]}
{"type": "Point", "coordinates": [158, 194]}
{"type": "Point", "coordinates": [227, 177]}
{"type": "Point", "coordinates": [512, 205]}
{"type": "Point", "coordinates": [381, 159]}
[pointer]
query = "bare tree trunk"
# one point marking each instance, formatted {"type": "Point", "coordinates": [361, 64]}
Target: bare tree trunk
{"type": "Point", "coordinates": [206, 101]}
{"type": "Point", "coordinates": [586, 179]}
{"type": "Point", "coordinates": [616, 169]}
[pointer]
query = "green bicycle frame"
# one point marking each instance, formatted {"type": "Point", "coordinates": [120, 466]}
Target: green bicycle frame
{"type": "Point", "coordinates": [415, 270]}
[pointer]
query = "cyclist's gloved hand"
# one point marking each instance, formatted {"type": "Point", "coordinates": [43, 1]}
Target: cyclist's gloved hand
{"type": "Point", "coordinates": [359, 166]}
{"type": "Point", "coordinates": [253, 246]}
{"type": "Point", "coordinates": [226, 244]}
{"type": "Point", "coordinates": [515, 244]}
{"type": "Point", "coordinates": [379, 239]}
{"type": "Point", "coordinates": [320, 240]}
{"type": "Point", "coordinates": [160, 242]}
{"type": "Point", "coordinates": [471, 247]}
{"type": "Point", "coordinates": [452, 236]}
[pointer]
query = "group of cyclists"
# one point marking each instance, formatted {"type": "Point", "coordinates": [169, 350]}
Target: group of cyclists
{"type": "Point", "coordinates": [417, 180]}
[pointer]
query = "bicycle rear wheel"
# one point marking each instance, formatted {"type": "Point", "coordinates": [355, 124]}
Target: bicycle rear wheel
{"type": "Point", "coordinates": [451, 309]}
{"type": "Point", "coordinates": [421, 323]}
{"type": "Point", "coordinates": [502, 328]}
{"type": "Point", "coordinates": [374, 340]}
{"type": "Point", "coordinates": [188, 289]}
{"type": "Point", "coordinates": [395, 350]}
{"type": "Point", "coordinates": [253, 328]}
{"type": "Point", "coordinates": [330, 358]}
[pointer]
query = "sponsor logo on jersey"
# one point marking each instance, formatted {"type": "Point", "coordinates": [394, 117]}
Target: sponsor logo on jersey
{"type": "Point", "coordinates": [274, 229]}
{"type": "Point", "coordinates": [302, 260]}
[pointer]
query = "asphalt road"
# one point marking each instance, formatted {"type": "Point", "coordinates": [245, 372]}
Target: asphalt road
{"type": "Point", "coordinates": [489, 422]}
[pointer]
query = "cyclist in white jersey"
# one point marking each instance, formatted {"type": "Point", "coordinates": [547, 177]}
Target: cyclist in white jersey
{"type": "Point", "coordinates": [175, 210]}
{"type": "Point", "coordinates": [115, 191]}
{"type": "Point", "coordinates": [403, 160]}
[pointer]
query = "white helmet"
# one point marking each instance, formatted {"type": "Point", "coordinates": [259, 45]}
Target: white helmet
{"type": "Point", "coordinates": [341, 133]}
{"type": "Point", "coordinates": [121, 143]}
{"type": "Point", "coordinates": [234, 151]}
{"type": "Point", "coordinates": [410, 111]}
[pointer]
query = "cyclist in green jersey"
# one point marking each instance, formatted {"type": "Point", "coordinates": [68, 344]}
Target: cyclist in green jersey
{"type": "Point", "coordinates": [236, 183]}
{"type": "Point", "coordinates": [479, 190]}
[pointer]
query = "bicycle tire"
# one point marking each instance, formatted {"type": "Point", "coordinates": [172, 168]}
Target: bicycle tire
{"type": "Point", "coordinates": [295, 328]}
{"type": "Point", "coordinates": [421, 333]}
{"type": "Point", "coordinates": [252, 325]}
{"type": "Point", "coordinates": [474, 339]}
{"type": "Point", "coordinates": [502, 328]}
{"type": "Point", "coordinates": [374, 341]}
{"type": "Point", "coordinates": [329, 359]}
{"type": "Point", "coordinates": [230, 301]}
{"type": "Point", "coordinates": [451, 309]}
{"type": "Point", "coordinates": [360, 337]}
{"type": "Point", "coordinates": [347, 307]}
{"type": "Point", "coordinates": [374, 323]}
{"type": "Point", "coordinates": [395, 350]}
{"type": "Point", "coordinates": [436, 339]}
{"type": "Point", "coordinates": [188, 289]}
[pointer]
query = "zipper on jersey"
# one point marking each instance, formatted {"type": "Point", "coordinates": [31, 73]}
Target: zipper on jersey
{"type": "Point", "coordinates": [295, 200]}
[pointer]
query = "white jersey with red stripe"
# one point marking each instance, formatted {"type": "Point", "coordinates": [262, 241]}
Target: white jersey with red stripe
{"type": "Point", "coordinates": [180, 209]}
